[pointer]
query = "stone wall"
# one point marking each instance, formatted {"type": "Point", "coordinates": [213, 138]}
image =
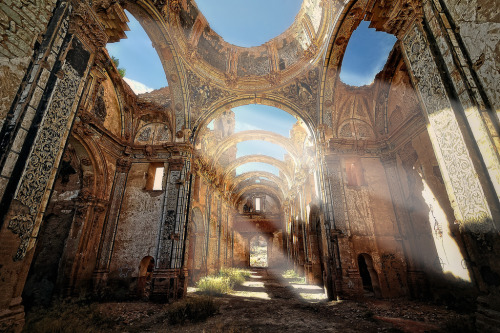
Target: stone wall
{"type": "Point", "coordinates": [22, 25]}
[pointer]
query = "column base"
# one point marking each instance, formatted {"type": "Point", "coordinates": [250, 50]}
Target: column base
{"type": "Point", "coordinates": [100, 281]}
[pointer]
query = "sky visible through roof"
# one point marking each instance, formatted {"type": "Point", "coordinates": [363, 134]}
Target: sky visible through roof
{"type": "Point", "coordinates": [251, 23]}
{"type": "Point", "coordinates": [366, 55]}
{"type": "Point", "coordinates": [139, 58]}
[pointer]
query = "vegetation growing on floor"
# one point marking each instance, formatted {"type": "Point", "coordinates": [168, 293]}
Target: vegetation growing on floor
{"type": "Point", "coordinates": [223, 282]}
{"type": "Point", "coordinates": [293, 277]}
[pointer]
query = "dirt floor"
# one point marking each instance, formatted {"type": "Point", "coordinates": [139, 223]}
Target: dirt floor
{"type": "Point", "coordinates": [269, 303]}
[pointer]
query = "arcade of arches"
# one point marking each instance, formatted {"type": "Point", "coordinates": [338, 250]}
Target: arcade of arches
{"type": "Point", "coordinates": [391, 187]}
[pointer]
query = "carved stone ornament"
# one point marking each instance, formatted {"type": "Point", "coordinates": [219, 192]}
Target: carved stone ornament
{"type": "Point", "coordinates": [304, 91]}
{"type": "Point", "coordinates": [123, 165]}
{"type": "Point", "coordinates": [86, 25]}
{"type": "Point", "coordinates": [202, 94]}
{"type": "Point", "coordinates": [175, 6]}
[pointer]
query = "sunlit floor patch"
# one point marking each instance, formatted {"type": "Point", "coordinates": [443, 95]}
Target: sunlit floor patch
{"type": "Point", "coordinates": [316, 297]}
{"type": "Point", "coordinates": [306, 286]}
{"type": "Point", "coordinates": [253, 276]}
{"type": "Point", "coordinates": [255, 284]}
{"type": "Point", "coordinates": [251, 294]}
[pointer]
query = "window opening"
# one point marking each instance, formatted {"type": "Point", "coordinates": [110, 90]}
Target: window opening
{"type": "Point", "coordinates": [158, 180]}
{"type": "Point", "coordinates": [257, 204]}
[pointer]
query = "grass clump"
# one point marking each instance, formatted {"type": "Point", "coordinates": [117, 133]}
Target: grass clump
{"type": "Point", "coordinates": [236, 276]}
{"type": "Point", "coordinates": [223, 282]}
{"type": "Point", "coordinates": [293, 277]}
{"type": "Point", "coordinates": [290, 274]}
{"type": "Point", "coordinates": [192, 310]}
{"type": "Point", "coordinates": [214, 285]}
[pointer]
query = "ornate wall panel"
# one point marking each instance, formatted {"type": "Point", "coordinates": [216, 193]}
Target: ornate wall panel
{"type": "Point", "coordinates": [460, 176]}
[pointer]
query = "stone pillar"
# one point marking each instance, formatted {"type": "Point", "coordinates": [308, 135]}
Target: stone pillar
{"type": "Point", "coordinates": [85, 205]}
{"type": "Point", "coordinates": [336, 227]}
{"type": "Point", "coordinates": [416, 278]}
{"type": "Point", "coordinates": [39, 127]}
{"type": "Point", "coordinates": [473, 203]}
{"type": "Point", "coordinates": [111, 224]}
{"type": "Point", "coordinates": [170, 274]}
{"type": "Point", "coordinates": [460, 152]}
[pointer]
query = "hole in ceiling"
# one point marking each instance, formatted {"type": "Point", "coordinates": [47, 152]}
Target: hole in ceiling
{"type": "Point", "coordinates": [249, 23]}
{"type": "Point", "coordinates": [365, 55]}
{"type": "Point", "coordinates": [136, 55]}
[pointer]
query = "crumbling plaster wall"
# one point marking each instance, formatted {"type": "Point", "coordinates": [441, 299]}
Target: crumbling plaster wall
{"type": "Point", "coordinates": [478, 24]}
{"type": "Point", "coordinates": [373, 228]}
{"type": "Point", "coordinates": [138, 226]}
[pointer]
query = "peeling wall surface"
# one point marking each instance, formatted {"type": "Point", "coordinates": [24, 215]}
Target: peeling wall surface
{"type": "Point", "coordinates": [137, 231]}
{"type": "Point", "coordinates": [389, 189]}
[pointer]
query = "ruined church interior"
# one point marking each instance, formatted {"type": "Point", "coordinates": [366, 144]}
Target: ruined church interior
{"type": "Point", "coordinates": [379, 198]}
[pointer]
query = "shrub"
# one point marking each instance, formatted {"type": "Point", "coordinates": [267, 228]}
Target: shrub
{"type": "Point", "coordinates": [214, 285]}
{"type": "Point", "coordinates": [236, 276]}
{"type": "Point", "coordinates": [194, 310]}
{"type": "Point", "coordinates": [290, 274]}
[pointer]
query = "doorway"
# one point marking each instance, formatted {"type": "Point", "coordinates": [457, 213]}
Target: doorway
{"type": "Point", "coordinates": [258, 252]}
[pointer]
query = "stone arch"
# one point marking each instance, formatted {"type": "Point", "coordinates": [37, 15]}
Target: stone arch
{"type": "Point", "coordinates": [268, 136]}
{"type": "Point", "coordinates": [245, 99]}
{"type": "Point", "coordinates": [282, 167]}
{"type": "Point", "coordinates": [256, 174]}
{"type": "Point", "coordinates": [146, 268]}
{"type": "Point", "coordinates": [153, 134]}
{"type": "Point", "coordinates": [153, 22]}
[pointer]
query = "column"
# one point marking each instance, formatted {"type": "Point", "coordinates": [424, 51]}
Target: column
{"type": "Point", "coordinates": [459, 150]}
{"type": "Point", "coordinates": [111, 224]}
{"type": "Point", "coordinates": [170, 275]}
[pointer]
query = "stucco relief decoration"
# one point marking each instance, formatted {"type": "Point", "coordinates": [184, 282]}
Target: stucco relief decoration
{"type": "Point", "coordinates": [153, 134]}
{"type": "Point", "coordinates": [202, 94]}
{"type": "Point", "coordinates": [304, 92]}
{"type": "Point", "coordinates": [100, 106]}
{"type": "Point", "coordinates": [469, 195]}
{"type": "Point", "coordinates": [87, 27]}
{"type": "Point", "coordinates": [38, 170]}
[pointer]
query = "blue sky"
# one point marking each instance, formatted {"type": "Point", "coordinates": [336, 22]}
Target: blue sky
{"type": "Point", "coordinates": [253, 166]}
{"type": "Point", "coordinates": [249, 22]}
{"type": "Point", "coordinates": [138, 57]}
{"type": "Point", "coordinates": [244, 23]}
{"type": "Point", "coordinates": [366, 55]}
{"type": "Point", "coordinates": [263, 117]}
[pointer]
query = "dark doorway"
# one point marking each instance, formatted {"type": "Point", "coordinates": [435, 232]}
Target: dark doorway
{"type": "Point", "coordinates": [365, 275]}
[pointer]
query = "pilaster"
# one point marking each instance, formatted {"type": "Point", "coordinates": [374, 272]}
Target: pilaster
{"type": "Point", "coordinates": [111, 224]}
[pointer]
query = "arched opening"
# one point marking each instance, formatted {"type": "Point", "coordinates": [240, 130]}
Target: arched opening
{"type": "Point", "coordinates": [365, 55]}
{"type": "Point", "coordinates": [258, 252]}
{"type": "Point", "coordinates": [136, 59]}
{"type": "Point", "coordinates": [369, 276]}
{"type": "Point", "coordinates": [249, 23]}
{"type": "Point", "coordinates": [146, 268]}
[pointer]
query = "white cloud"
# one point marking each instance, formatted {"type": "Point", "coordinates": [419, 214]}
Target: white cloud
{"type": "Point", "coordinates": [137, 87]}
